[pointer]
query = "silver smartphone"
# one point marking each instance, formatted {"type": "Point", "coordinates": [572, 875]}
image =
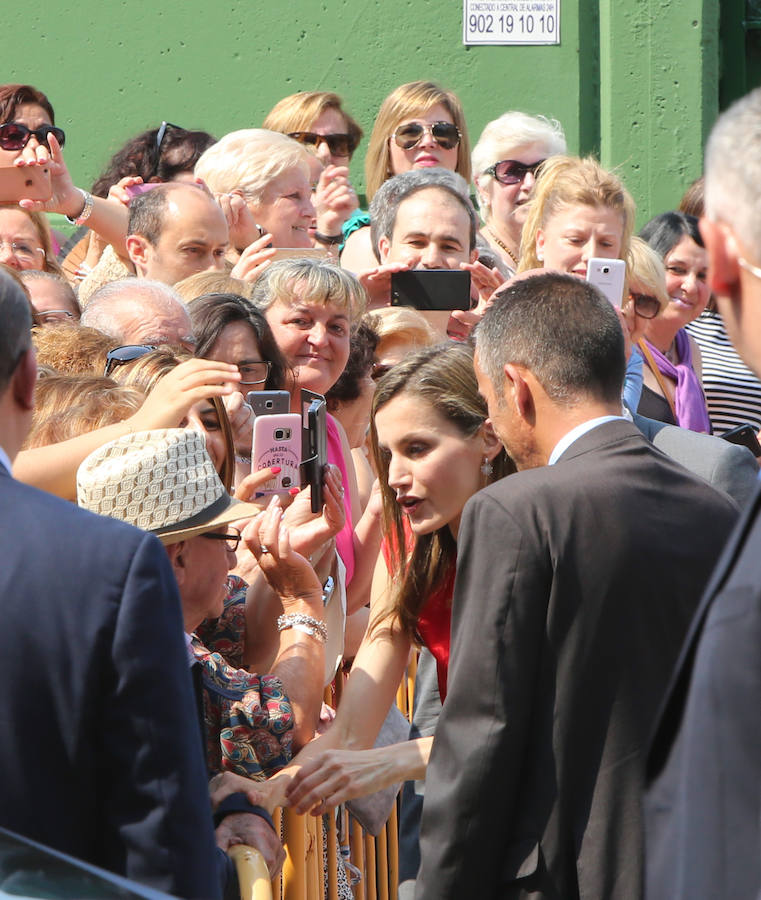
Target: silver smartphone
{"type": "Point", "coordinates": [608, 276]}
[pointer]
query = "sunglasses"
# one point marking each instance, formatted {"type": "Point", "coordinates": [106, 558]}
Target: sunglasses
{"type": "Point", "coordinates": [510, 171]}
{"type": "Point", "coordinates": [645, 306]}
{"type": "Point", "coordinates": [161, 133]}
{"type": "Point", "coordinates": [446, 135]}
{"type": "Point", "coordinates": [120, 356]}
{"type": "Point", "coordinates": [338, 144]}
{"type": "Point", "coordinates": [15, 136]}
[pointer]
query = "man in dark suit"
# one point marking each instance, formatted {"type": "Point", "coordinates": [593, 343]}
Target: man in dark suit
{"type": "Point", "coordinates": [703, 805]}
{"type": "Point", "coordinates": [576, 581]}
{"type": "Point", "coordinates": [99, 742]}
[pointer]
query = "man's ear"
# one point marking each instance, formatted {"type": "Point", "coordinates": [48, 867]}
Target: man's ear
{"type": "Point", "coordinates": [177, 554]}
{"type": "Point", "coordinates": [723, 256]}
{"type": "Point", "coordinates": [519, 389]}
{"type": "Point", "coordinates": [138, 250]}
{"type": "Point", "coordinates": [24, 380]}
{"type": "Point", "coordinates": [384, 245]}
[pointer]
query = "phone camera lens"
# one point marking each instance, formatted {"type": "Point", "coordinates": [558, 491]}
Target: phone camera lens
{"type": "Point", "coordinates": [605, 270]}
{"type": "Point", "coordinates": [286, 481]}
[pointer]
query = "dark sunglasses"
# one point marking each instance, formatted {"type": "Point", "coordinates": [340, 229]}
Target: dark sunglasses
{"type": "Point", "coordinates": [645, 306]}
{"type": "Point", "coordinates": [15, 136]}
{"type": "Point", "coordinates": [231, 540]}
{"type": "Point", "coordinates": [119, 356]}
{"type": "Point", "coordinates": [338, 144]}
{"type": "Point", "coordinates": [510, 171]}
{"type": "Point", "coordinates": [445, 134]}
{"type": "Point", "coordinates": [161, 133]}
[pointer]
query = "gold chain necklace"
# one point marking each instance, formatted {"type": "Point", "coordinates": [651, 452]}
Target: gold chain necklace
{"type": "Point", "coordinates": [503, 246]}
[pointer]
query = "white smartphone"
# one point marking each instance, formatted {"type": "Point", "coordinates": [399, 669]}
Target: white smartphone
{"type": "Point", "coordinates": [608, 276]}
{"type": "Point", "coordinates": [277, 442]}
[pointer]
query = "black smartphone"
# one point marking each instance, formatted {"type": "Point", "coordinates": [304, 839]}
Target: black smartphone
{"type": "Point", "coordinates": [269, 403]}
{"type": "Point", "coordinates": [316, 455]}
{"type": "Point", "coordinates": [427, 289]}
{"type": "Point", "coordinates": [745, 435]}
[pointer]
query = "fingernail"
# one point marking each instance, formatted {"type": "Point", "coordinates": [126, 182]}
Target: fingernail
{"type": "Point", "coordinates": [293, 491]}
{"type": "Point", "coordinates": [276, 470]}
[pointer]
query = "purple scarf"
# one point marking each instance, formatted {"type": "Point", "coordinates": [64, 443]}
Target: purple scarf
{"type": "Point", "coordinates": [689, 401]}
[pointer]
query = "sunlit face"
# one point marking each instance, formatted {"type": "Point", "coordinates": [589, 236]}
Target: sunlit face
{"type": "Point", "coordinates": [313, 338]}
{"type": "Point", "coordinates": [204, 587]}
{"type": "Point", "coordinates": [203, 418]}
{"type": "Point", "coordinates": [432, 231]}
{"type": "Point", "coordinates": [426, 153]}
{"type": "Point", "coordinates": [194, 238]}
{"type": "Point", "coordinates": [432, 467]}
{"type": "Point", "coordinates": [286, 209]}
{"type": "Point", "coordinates": [330, 121]}
{"type": "Point", "coordinates": [575, 234]}
{"type": "Point", "coordinates": [17, 228]}
{"type": "Point", "coordinates": [507, 202]}
{"type": "Point", "coordinates": [32, 115]}
{"type": "Point", "coordinates": [238, 346]}
{"type": "Point", "coordinates": [686, 281]}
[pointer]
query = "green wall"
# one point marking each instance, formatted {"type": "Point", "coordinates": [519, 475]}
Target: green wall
{"type": "Point", "coordinates": [634, 80]}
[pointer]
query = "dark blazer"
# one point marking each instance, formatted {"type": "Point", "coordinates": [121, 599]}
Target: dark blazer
{"type": "Point", "coordinates": [100, 751]}
{"type": "Point", "coordinates": [703, 804]}
{"type": "Point", "coordinates": [575, 587]}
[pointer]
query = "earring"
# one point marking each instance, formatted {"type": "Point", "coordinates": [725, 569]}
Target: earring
{"type": "Point", "coordinates": [540, 256]}
{"type": "Point", "coordinates": [486, 467]}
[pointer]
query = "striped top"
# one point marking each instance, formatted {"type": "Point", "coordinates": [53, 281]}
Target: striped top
{"type": "Point", "coordinates": [733, 393]}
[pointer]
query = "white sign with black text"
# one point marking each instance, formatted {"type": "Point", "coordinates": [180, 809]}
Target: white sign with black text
{"type": "Point", "coordinates": [512, 22]}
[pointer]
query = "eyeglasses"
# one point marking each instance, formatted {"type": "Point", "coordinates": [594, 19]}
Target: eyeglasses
{"type": "Point", "coordinates": [445, 134]}
{"type": "Point", "coordinates": [23, 251]}
{"type": "Point", "coordinates": [15, 136]}
{"type": "Point", "coordinates": [645, 305]}
{"type": "Point", "coordinates": [119, 356]}
{"type": "Point", "coordinates": [254, 372]}
{"type": "Point", "coordinates": [338, 144]}
{"type": "Point", "coordinates": [232, 539]}
{"type": "Point", "coordinates": [510, 171]}
{"type": "Point", "coordinates": [49, 316]}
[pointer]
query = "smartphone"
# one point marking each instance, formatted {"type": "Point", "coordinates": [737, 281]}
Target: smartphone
{"type": "Point", "coordinates": [277, 442]}
{"type": "Point", "coordinates": [316, 457]}
{"type": "Point", "coordinates": [135, 190]}
{"type": "Point", "coordinates": [745, 435]}
{"type": "Point", "coordinates": [608, 276]}
{"type": "Point", "coordinates": [25, 183]}
{"type": "Point", "coordinates": [427, 289]}
{"type": "Point", "coordinates": [267, 403]}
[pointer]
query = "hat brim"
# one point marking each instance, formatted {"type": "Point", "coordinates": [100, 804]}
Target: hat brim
{"type": "Point", "coordinates": [226, 510]}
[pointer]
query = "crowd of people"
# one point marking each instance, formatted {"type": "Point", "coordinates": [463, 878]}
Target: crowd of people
{"type": "Point", "coordinates": [533, 490]}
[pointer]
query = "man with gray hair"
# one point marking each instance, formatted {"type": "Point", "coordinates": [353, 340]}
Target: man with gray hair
{"type": "Point", "coordinates": [139, 311]}
{"type": "Point", "coordinates": [575, 587]}
{"type": "Point", "coordinates": [703, 804]}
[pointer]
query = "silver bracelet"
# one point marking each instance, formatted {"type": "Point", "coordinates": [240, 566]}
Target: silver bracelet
{"type": "Point", "coordinates": [301, 622]}
{"type": "Point", "coordinates": [86, 209]}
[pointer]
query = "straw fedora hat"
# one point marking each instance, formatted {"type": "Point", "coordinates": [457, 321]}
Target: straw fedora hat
{"type": "Point", "coordinates": [162, 481]}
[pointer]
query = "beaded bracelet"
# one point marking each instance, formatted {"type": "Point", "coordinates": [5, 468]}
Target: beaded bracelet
{"type": "Point", "coordinates": [301, 622]}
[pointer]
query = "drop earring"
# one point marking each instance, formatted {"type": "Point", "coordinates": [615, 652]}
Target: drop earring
{"type": "Point", "coordinates": [486, 467]}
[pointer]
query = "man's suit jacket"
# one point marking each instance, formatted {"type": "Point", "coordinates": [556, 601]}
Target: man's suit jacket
{"type": "Point", "coordinates": [575, 587]}
{"type": "Point", "coordinates": [703, 804]}
{"type": "Point", "coordinates": [100, 751]}
{"type": "Point", "coordinates": [727, 467]}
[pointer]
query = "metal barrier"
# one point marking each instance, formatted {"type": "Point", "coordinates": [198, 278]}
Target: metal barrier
{"type": "Point", "coordinates": [302, 877]}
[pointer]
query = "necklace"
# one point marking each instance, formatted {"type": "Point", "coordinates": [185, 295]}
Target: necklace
{"type": "Point", "coordinates": [503, 246]}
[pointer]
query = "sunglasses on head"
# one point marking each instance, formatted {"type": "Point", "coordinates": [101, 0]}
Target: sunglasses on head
{"type": "Point", "coordinates": [120, 356]}
{"type": "Point", "coordinates": [338, 144]}
{"type": "Point", "coordinates": [445, 134]}
{"type": "Point", "coordinates": [645, 305]}
{"type": "Point", "coordinates": [510, 171]}
{"type": "Point", "coordinates": [15, 136]}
